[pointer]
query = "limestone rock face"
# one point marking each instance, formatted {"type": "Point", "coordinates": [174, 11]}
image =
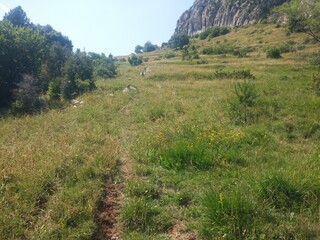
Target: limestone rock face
{"type": "Point", "coordinates": [208, 13]}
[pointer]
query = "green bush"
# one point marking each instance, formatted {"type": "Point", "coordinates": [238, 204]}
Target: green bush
{"type": "Point", "coordinates": [273, 53]}
{"type": "Point", "coordinates": [168, 55]}
{"type": "Point", "coordinates": [178, 41]}
{"type": "Point", "coordinates": [54, 89]}
{"type": "Point", "coordinates": [202, 61]}
{"type": "Point", "coordinates": [241, 108]}
{"type": "Point", "coordinates": [84, 86]}
{"type": "Point", "coordinates": [213, 32]}
{"type": "Point", "coordinates": [26, 95]}
{"type": "Point", "coordinates": [134, 60]}
{"type": "Point", "coordinates": [239, 74]}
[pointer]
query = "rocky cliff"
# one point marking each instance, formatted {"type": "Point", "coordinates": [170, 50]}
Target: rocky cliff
{"type": "Point", "coordinates": [208, 13]}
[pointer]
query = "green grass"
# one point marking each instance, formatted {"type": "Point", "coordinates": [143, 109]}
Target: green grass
{"type": "Point", "coordinates": [191, 166]}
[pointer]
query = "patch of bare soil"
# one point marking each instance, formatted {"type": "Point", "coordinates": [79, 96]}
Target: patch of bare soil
{"type": "Point", "coordinates": [109, 211]}
{"type": "Point", "coordinates": [178, 233]}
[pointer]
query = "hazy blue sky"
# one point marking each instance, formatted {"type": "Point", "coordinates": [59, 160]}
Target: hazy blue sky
{"type": "Point", "coordinates": [109, 26]}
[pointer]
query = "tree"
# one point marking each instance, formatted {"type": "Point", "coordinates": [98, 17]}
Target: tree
{"type": "Point", "coordinates": [104, 67]}
{"type": "Point", "coordinates": [149, 47]}
{"type": "Point", "coordinates": [138, 49]}
{"type": "Point", "coordinates": [78, 75]}
{"type": "Point", "coordinates": [178, 41]}
{"type": "Point", "coordinates": [17, 17]}
{"type": "Point", "coordinates": [304, 16]}
{"type": "Point", "coordinates": [21, 53]}
{"type": "Point", "coordinates": [134, 60]}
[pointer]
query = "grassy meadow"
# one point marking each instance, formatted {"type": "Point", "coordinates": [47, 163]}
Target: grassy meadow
{"type": "Point", "coordinates": [220, 147]}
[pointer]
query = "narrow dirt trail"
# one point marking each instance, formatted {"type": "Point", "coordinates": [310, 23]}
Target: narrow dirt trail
{"type": "Point", "coordinates": [109, 210]}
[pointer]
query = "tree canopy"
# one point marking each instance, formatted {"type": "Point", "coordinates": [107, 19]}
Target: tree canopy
{"type": "Point", "coordinates": [178, 41]}
{"type": "Point", "coordinates": [304, 16]}
{"type": "Point", "coordinates": [17, 17]}
{"type": "Point", "coordinates": [36, 60]}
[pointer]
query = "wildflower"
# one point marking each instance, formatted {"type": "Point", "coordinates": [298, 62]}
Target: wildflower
{"type": "Point", "coordinates": [221, 199]}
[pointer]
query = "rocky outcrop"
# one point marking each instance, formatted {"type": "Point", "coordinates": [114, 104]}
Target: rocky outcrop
{"type": "Point", "coordinates": [208, 13]}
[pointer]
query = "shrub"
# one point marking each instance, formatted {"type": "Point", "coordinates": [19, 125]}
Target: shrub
{"type": "Point", "coordinates": [213, 32]}
{"type": "Point", "coordinates": [54, 89]}
{"type": "Point", "coordinates": [84, 86]}
{"type": "Point", "coordinates": [149, 47]}
{"type": "Point", "coordinates": [202, 61]}
{"type": "Point", "coordinates": [315, 59]}
{"type": "Point", "coordinates": [241, 108]}
{"type": "Point", "coordinates": [27, 95]}
{"type": "Point", "coordinates": [273, 53]}
{"type": "Point", "coordinates": [169, 55]}
{"type": "Point", "coordinates": [134, 60]}
{"type": "Point", "coordinates": [178, 41]}
{"type": "Point", "coordinates": [239, 74]}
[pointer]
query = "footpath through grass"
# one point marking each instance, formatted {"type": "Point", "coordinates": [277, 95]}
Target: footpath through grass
{"type": "Point", "coordinates": [206, 161]}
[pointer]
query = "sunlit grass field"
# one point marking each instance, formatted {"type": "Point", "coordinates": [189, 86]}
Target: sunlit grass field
{"type": "Point", "coordinates": [197, 168]}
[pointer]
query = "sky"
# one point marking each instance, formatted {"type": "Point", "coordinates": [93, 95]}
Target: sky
{"type": "Point", "coordinates": [108, 26]}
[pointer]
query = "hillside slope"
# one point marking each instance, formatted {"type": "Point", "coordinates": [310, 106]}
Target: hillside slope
{"type": "Point", "coordinates": [199, 164]}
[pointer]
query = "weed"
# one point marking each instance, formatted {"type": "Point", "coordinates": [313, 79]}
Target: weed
{"type": "Point", "coordinates": [229, 216]}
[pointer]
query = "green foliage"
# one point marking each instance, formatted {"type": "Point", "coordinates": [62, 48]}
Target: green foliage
{"type": "Point", "coordinates": [238, 74]}
{"type": "Point", "coordinates": [54, 89]}
{"type": "Point", "coordinates": [241, 108]}
{"type": "Point", "coordinates": [149, 47]}
{"type": "Point", "coordinates": [43, 54]}
{"type": "Point", "coordinates": [169, 55]}
{"type": "Point", "coordinates": [202, 61]}
{"type": "Point", "coordinates": [190, 147]}
{"type": "Point", "coordinates": [189, 52]}
{"type": "Point", "coordinates": [214, 32]}
{"type": "Point", "coordinates": [304, 16]}
{"type": "Point", "coordinates": [134, 60]}
{"type": "Point", "coordinates": [144, 216]}
{"type": "Point", "coordinates": [21, 53]}
{"type": "Point", "coordinates": [178, 41]}
{"type": "Point", "coordinates": [78, 68]}
{"type": "Point", "coordinates": [273, 52]}
{"type": "Point", "coordinates": [26, 95]}
{"type": "Point", "coordinates": [17, 17]}
{"type": "Point", "coordinates": [138, 49]}
{"type": "Point", "coordinates": [229, 216]}
{"type": "Point", "coordinates": [103, 66]}
{"type": "Point", "coordinates": [287, 195]}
